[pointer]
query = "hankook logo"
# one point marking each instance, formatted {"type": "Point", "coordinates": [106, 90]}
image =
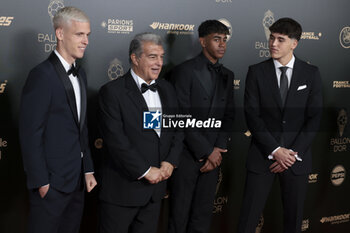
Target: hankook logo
{"type": "Point", "coordinates": [336, 219]}
{"type": "Point", "coordinates": [174, 28]}
{"type": "Point", "coordinates": [313, 178]}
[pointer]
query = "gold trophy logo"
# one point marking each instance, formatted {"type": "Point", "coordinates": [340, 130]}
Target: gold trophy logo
{"type": "Point", "coordinates": [267, 21]}
{"type": "Point", "coordinates": [115, 69]}
{"type": "Point", "coordinates": [342, 120]}
{"type": "Point", "coordinates": [54, 6]}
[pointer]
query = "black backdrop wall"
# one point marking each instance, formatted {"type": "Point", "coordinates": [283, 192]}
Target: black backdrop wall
{"type": "Point", "coordinates": [27, 38]}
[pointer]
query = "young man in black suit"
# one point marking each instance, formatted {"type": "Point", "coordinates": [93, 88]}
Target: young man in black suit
{"type": "Point", "coordinates": [204, 89]}
{"type": "Point", "coordinates": [53, 130]}
{"type": "Point", "coordinates": [137, 161]}
{"type": "Point", "coordinates": [283, 107]}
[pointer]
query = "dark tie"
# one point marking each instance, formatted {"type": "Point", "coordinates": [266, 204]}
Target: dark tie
{"type": "Point", "coordinates": [145, 87]}
{"type": "Point", "coordinates": [73, 70]}
{"type": "Point", "coordinates": [283, 84]}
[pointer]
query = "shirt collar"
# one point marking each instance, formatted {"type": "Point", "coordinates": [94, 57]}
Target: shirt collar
{"type": "Point", "coordinates": [289, 65]}
{"type": "Point", "coordinates": [64, 62]}
{"type": "Point", "coordinates": [138, 80]}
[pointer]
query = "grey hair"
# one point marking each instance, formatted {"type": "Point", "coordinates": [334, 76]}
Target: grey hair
{"type": "Point", "coordinates": [136, 45]}
{"type": "Point", "coordinates": [66, 14]}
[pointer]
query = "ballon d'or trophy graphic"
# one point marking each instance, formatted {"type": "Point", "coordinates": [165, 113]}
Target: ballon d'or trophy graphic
{"type": "Point", "coordinates": [342, 120]}
{"type": "Point", "coordinates": [268, 20]}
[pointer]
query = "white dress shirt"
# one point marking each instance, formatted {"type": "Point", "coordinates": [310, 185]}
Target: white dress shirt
{"type": "Point", "coordinates": [152, 100]}
{"type": "Point", "coordinates": [289, 74]}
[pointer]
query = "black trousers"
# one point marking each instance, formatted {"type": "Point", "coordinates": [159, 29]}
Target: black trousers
{"type": "Point", "coordinates": [57, 212]}
{"type": "Point", "coordinates": [192, 195]}
{"type": "Point", "coordinates": [125, 219]}
{"type": "Point", "coordinates": [257, 189]}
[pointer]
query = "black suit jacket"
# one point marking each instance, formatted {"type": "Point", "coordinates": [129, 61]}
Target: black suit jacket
{"type": "Point", "coordinates": [194, 99]}
{"type": "Point", "coordinates": [129, 149]}
{"type": "Point", "coordinates": [293, 125]}
{"type": "Point", "coordinates": [51, 137]}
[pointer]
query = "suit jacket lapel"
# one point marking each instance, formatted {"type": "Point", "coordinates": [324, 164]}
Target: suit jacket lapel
{"type": "Point", "coordinates": [164, 101]}
{"type": "Point", "coordinates": [61, 72]}
{"type": "Point", "coordinates": [270, 75]}
{"type": "Point", "coordinates": [295, 81]}
{"type": "Point", "coordinates": [134, 93]}
{"type": "Point", "coordinates": [221, 84]}
{"type": "Point", "coordinates": [83, 100]}
{"type": "Point", "coordinates": [198, 71]}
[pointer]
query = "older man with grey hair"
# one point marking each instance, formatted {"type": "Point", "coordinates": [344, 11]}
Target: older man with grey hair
{"type": "Point", "coordinates": [53, 130]}
{"type": "Point", "coordinates": [138, 161]}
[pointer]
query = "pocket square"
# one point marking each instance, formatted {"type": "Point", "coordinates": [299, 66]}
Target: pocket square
{"type": "Point", "coordinates": [301, 87]}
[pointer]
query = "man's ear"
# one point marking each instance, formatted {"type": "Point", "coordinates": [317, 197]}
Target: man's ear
{"type": "Point", "coordinates": [59, 33]}
{"type": "Point", "coordinates": [295, 43]}
{"type": "Point", "coordinates": [202, 42]}
{"type": "Point", "coordinates": [134, 59]}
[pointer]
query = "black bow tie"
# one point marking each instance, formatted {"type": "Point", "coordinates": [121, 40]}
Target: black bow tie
{"type": "Point", "coordinates": [73, 70]}
{"type": "Point", "coordinates": [145, 87]}
{"type": "Point", "coordinates": [217, 67]}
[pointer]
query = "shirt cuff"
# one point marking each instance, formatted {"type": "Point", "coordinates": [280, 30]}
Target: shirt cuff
{"type": "Point", "coordinates": [271, 155]}
{"type": "Point", "coordinates": [144, 174]}
{"type": "Point", "coordinates": [86, 173]}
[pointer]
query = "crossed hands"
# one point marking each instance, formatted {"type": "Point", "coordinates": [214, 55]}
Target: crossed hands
{"type": "Point", "coordinates": [284, 158]}
{"type": "Point", "coordinates": [213, 160]}
{"type": "Point", "coordinates": [156, 175]}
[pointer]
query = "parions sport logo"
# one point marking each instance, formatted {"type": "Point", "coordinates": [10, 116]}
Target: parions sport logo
{"type": "Point", "coordinates": [118, 26]}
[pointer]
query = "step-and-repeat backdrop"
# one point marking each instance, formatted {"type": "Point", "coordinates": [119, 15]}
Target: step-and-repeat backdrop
{"type": "Point", "coordinates": [27, 38]}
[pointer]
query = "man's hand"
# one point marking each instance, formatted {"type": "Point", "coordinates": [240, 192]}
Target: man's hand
{"type": "Point", "coordinates": [276, 168]}
{"type": "Point", "coordinates": [213, 160]}
{"type": "Point", "coordinates": [154, 175]}
{"type": "Point", "coordinates": [43, 190]}
{"type": "Point", "coordinates": [207, 167]}
{"type": "Point", "coordinates": [215, 156]}
{"type": "Point", "coordinates": [284, 157]}
{"type": "Point", "coordinates": [166, 169]}
{"type": "Point", "coordinates": [90, 182]}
